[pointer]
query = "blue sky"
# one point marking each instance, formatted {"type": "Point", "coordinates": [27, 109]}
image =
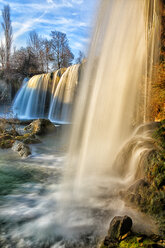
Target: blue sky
{"type": "Point", "coordinates": [73, 17]}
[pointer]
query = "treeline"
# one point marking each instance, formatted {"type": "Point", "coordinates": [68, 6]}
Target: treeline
{"type": "Point", "coordinates": [39, 56]}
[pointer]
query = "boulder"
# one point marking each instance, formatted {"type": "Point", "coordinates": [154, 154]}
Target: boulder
{"type": "Point", "coordinates": [141, 183]}
{"type": "Point", "coordinates": [22, 149]}
{"type": "Point", "coordinates": [40, 127]}
{"type": "Point", "coordinates": [119, 226]}
{"type": "Point", "coordinates": [7, 138]}
{"type": "Point", "coordinates": [6, 141]}
{"type": "Point", "coordinates": [134, 194]}
{"type": "Point", "coordinates": [31, 140]}
{"type": "Point", "coordinates": [110, 243]}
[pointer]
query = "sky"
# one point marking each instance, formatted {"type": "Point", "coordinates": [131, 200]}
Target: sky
{"type": "Point", "coordinates": [73, 17]}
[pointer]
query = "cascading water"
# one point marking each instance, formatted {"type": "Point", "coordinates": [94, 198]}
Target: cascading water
{"type": "Point", "coordinates": [48, 96]}
{"type": "Point", "coordinates": [63, 97]}
{"type": "Point", "coordinates": [107, 105]}
{"type": "Point", "coordinates": [30, 100]}
{"type": "Point", "coordinates": [106, 153]}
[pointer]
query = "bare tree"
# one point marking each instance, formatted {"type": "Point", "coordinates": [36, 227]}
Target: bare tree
{"type": "Point", "coordinates": [34, 40]}
{"type": "Point", "coordinates": [80, 58]}
{"type": "Point", "coordinates": [24, 63]}
{"type": "Point", "coordinates": [6, 24]}
{"type": "Point", "coordinates": [62, 53]}
{"type": "Point", "coordinates": [41, 48]}
{"type": "Point", "coordinates": [48, 56]}
{"type": "Point", "coordinates": [2, 56]}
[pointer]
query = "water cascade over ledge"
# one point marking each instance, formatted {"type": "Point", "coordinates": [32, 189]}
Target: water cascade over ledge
{"type": "Point", "coordinates": [48, 96]}
{"type": "Point", "coordinates": [107, 147]}
{"type": "Point", "coordinates": [112, 99]}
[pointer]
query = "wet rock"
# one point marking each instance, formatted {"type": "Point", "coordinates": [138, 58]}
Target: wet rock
{"type": "Point", "coordinates": [153, 246]}
{"type": "Point", "coordinates": [120, 235]}
{"type": "Point", "coordinates": [141, 183]}
{"type": "Point", "coordinates": [7, 138]}
{"type": "Point", "coordinates": [28, 138]}
{"type": "Point", "coordinates": [22, 149]}
{"type": "Point", "coordinates": [134, 198]}
{"type": "Point", "coordinates": [110, 243]}
{"type": "Point", "coordinates": [6, 141]}
{"type": "Point", "coordinates": [40, 127]}
{"type": "Point", "coordinates": [134, 194]}
{"type": "Point", "coordinates": [14, 121]}
{"type": "Point", "coordinates": [31, 140]}
{"type": "Point", "coordinates": [119, 226]}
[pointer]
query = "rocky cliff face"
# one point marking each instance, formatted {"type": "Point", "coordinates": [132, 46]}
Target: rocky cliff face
{"type": "Point", "coordinates": [5, 92]}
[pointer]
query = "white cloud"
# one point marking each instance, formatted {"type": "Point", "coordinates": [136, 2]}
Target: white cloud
{"type": "Point", "coordinates": [50, 1]}
{"type": "Point", "coordinates": [77, 1]}
{"type": "Point", "coordinates": [68, 16]}
{"type": "Point", "coordinates": [27, 26]}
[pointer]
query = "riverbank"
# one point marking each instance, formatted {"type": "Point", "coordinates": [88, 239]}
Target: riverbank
{"type": "Point", "coordinates": [147, 195]}
{"type": "Point", "coordinates": [36, 211]}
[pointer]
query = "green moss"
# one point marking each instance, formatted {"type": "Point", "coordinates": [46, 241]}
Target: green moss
{"type": "Point", "coordinates": [153, 197]}
{"type": "Point", "coordinates": [133, 242]}
{"type": "Point", "coordinates": [6, 140]}
{"type": "Point", "coordinates": [159, 135]}
{"type": "Point", "coordinates": [103, 246]}
{"type": "Point", "coordinates": [5, 144]}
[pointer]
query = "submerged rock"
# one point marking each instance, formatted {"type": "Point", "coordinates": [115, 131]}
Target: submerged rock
{"type": "Point", "coordinates": [40, 127]}
{"type": "Point", "coordinates": [22, 149]}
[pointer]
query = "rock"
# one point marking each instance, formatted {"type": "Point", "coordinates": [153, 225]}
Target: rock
{"type": "Point", "coordinates": [110, 243]}
{"type": "Point", "coordinates": [120, 235]}
{"type": "Point", "coordinates": [153, 246]}
{"type": "Point", "coordinates": [139, 239]}
{"type": "Point", "coordinates": [133, 198]}
{"type": "Point", "coordinates": [119, 226]}
{"type": "Point", "coordinates": [22, 149]}
{"type": "Point", "coordinates": [14, 121]}
{"type": "Point", "coordinates": [7, 138]}
{"type": "Point", "coordinates": [134, 193]}
{"type": "Point", "coordinates": [28, 138]}
{"type": "Point", "coordinates": [6, 141]}
{"type": "Point", "coordinates": [40, 127]}
{"type": "Point", "coordinates": [141, 183]}
{"type": "Point", "coordinates": [125, 236]}
{"type": "Point", "coordinates": [31, 140]}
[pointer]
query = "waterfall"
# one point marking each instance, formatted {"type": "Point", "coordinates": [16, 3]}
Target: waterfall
{"type": "Point", "coordinates": [63, 96]}
{"type": "Point", "coordinates": [29, 102]}
{"type": "Point", "coordinates": [108, 102]}
{"type": "Point", "coordinates": [47, 96]}
{"type": "Point", "coordinates": [107, 146]}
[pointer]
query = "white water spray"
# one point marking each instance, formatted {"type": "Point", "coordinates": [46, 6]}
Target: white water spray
{"type": "Point", "coordinates": [108, 101]}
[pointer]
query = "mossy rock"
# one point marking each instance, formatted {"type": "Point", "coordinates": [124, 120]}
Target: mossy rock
{"type": "Point", "coordinates": [28, 139]}
{"type": "Point", "coordinates": [148, 194]}
{"type": "Point", "coordinates": [7, 140]}
{"type": "Point", "coordinates": [40, 127]}
{"type": "Point", "coordinates": [5, 144]}
{"type": "Point", "coordinates": [22, 149]}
